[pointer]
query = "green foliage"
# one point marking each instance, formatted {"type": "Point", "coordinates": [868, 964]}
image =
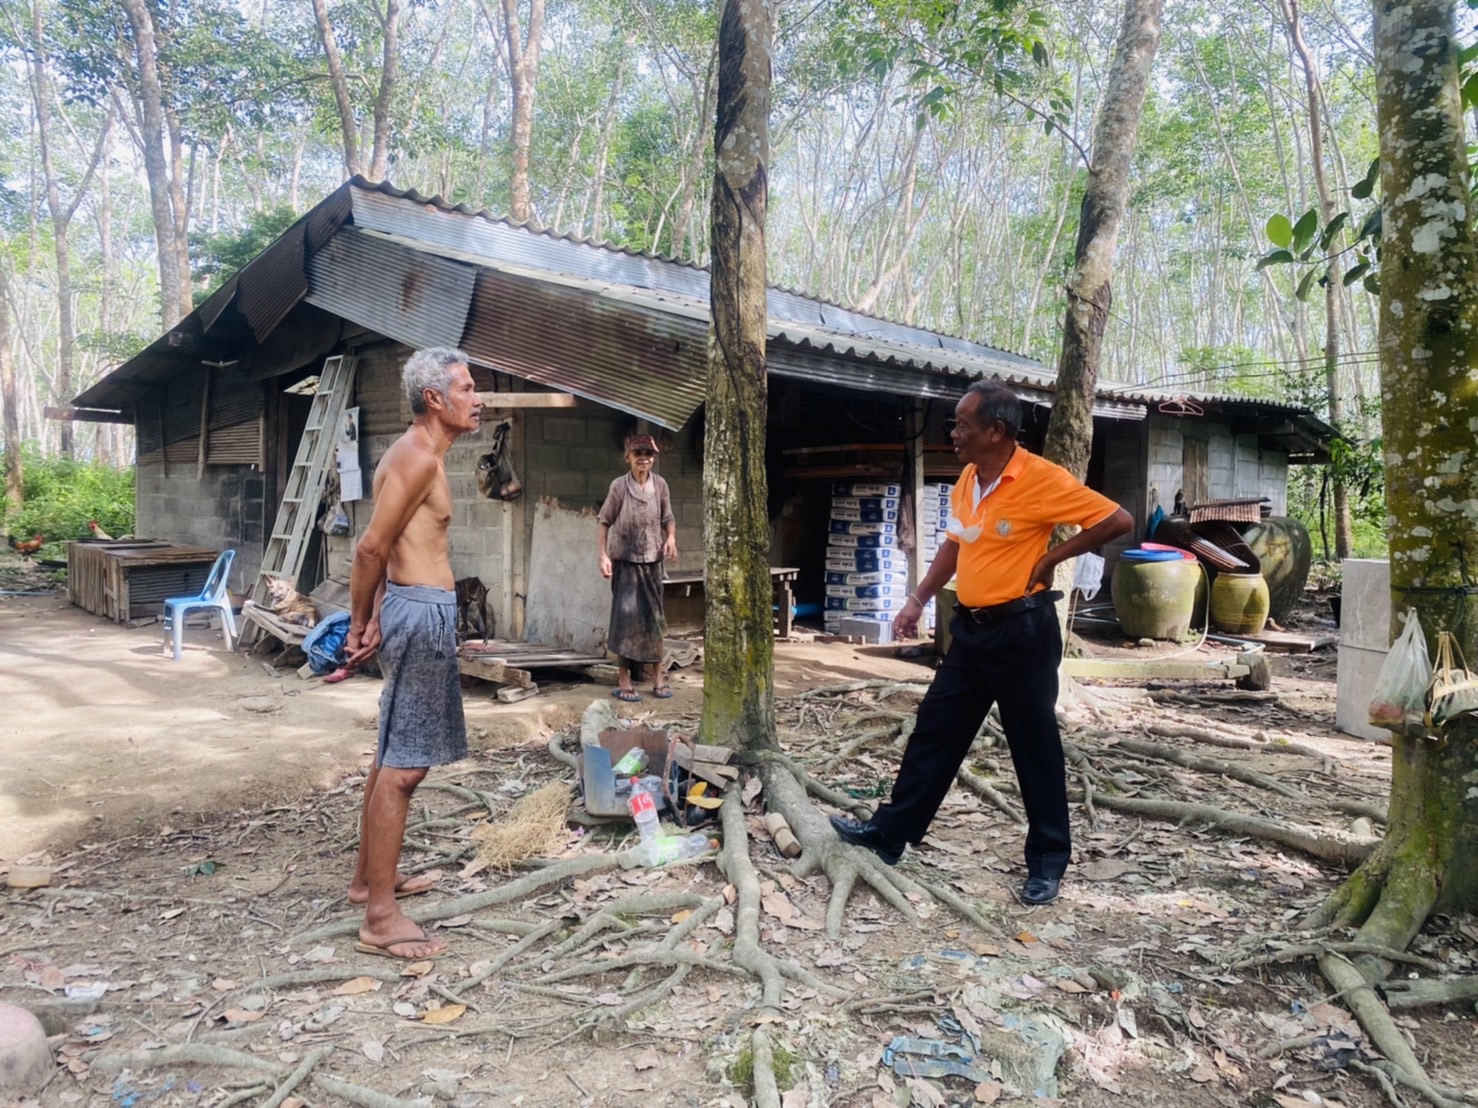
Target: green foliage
{"type": "Point", "coordinates": [215, 257]}
{"type": "Point", "coordinates": [62, 495]}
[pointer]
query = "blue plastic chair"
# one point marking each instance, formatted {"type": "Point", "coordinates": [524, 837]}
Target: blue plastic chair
{"type": "Point", "coordinates": [215, 595]}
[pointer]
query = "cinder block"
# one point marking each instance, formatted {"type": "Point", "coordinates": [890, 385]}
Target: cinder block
{"type": "Point", "coordinates": [563, 429]}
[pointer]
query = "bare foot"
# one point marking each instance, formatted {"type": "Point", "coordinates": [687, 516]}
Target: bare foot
{"type": "Point", "coordinates": [404, 886]}
{"type": "Point", "coordinates": [400, 938]}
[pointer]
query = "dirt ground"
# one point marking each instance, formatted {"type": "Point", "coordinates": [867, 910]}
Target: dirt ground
{"type": "Point", "coordinates": [194, 946]}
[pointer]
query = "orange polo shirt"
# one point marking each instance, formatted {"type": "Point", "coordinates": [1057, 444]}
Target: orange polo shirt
{"type": "Point", "coordinates": [1016, 522]}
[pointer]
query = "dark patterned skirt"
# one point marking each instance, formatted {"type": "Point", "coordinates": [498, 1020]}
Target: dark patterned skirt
{"type": "Point", "coordinates": [637, 623]}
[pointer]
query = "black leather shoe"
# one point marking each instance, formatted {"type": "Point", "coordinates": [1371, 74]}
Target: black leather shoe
{"type": "Point", "coordinates": [866, 834]}
{"type": "Point", "coordinates": [1040, 890]}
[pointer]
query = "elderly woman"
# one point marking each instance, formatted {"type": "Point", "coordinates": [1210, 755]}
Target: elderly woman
{"type": "Point", "coordinates": [637, 533]}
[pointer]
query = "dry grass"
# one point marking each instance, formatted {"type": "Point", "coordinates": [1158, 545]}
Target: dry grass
{"type": "Point", "coordinates": [535, 825]}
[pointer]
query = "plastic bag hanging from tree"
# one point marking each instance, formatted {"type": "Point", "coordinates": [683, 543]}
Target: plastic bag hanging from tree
{"type": "Point", "coordinates": [1401, 687]}
{"type": "Point", "coordinates": [1454, 688]}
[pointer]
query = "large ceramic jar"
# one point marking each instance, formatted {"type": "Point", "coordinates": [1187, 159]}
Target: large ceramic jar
{"type": "Point", "coordinates": [1282, 545]}
{"type": "Point", "coordinates": [1239, 603]}
{"type": "Point", "coordinates": [1158, 599]}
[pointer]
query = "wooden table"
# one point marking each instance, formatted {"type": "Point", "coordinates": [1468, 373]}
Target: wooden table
{"type": "Point", "coordinates": [781, 579]}
{"type": "Point", "coordinates": [131, 578]}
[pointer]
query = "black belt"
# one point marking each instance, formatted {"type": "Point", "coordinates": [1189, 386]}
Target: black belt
{"type": "Point", "coordinates": [997, 612]}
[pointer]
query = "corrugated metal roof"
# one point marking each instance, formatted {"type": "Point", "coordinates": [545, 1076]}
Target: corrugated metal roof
{"type": "Point", "coordinates": [268, 289]}
{"type": "Point", "coordinates": [414, 298]}
{"type": "Point", "coordinates": [611, 349]}
{"type": "Point", "coordinates": [625, 328]}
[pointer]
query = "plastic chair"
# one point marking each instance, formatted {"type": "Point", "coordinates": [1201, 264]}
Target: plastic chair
{"type": "Point", "coordinates": [215, 595]}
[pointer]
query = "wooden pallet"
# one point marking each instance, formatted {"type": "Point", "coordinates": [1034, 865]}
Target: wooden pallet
{"type": "Point", "coordinates": [511, 664]}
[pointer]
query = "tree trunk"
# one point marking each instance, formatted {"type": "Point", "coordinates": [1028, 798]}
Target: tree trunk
{"type": "Point", "coordinates": [389, 67]}
{"type": "Point", "coordinates": [173, 288]}
{"type": "Point", "coordinates": [339, 82]}
{"type": "Point", "coordinates": [738, 688]}
{"type": "Point", "coordinates": [523, 72]}
{"type": "Point", "coordinates": [1344, 533]}
{"type": "Point", "coordinates": [685, 242]}
{"type": "Point", "coordinates": [9, 412]}
{"type": "Point", "coordinates": [1428, 349]}
{"type": "Point", "coordinates": [1089, 289]}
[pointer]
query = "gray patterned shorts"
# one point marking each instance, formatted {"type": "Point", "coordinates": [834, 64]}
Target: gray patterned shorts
{"type": "Point", "coordinates": [421, 722]}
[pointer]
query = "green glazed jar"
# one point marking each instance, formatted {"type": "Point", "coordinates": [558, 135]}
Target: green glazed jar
{"type": "Point", "coordinates": [1239, 603]}
{"type": "Point", "coordinates": [1159, 600]}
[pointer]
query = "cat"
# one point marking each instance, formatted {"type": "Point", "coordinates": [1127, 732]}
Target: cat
{"type": "Point", "coordinates": [288, 604]}
{"type": "Point", "coordinates": [472, 597]}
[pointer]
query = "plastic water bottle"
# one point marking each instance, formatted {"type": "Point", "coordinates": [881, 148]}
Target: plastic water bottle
{"type": "Point", "coordinates": [677, 848]}
{"type": "Point", "coordinates": [630, 763]}
{"type": "Point", "coordinates": [645, 814]}
{"type": "Point", "coordinates": [650, 784]}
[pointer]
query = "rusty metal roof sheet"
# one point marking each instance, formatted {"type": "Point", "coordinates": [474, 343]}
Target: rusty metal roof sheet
{"type": "Point", "coordinates": [414, 298]}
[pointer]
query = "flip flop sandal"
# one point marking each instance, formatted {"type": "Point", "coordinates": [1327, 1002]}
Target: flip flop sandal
{"type": "Point", "coordinates": [663, 693]}
{"type": "Point", "coordinates": [631, 696]}
{"type": "Point", "coordinates": [384, 950]}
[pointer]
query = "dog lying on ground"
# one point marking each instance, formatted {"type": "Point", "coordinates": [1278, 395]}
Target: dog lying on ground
{"type": "Point", "coordinates": [472, 597]}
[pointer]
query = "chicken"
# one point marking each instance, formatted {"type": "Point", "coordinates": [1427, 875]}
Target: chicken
{"type": "Point", "coordinates": [26, 547]}
{"type": "Point", "coordinates": [98, 532]}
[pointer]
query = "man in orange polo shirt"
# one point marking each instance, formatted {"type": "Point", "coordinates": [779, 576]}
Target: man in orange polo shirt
{"type": "Point", "coordinates": [1007, 644]}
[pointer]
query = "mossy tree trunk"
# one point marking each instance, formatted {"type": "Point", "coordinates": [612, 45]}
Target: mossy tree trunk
{"type": "Point", "coordinates": [739, 645]}
{"type": "Point", "coordinates": [1429, 363]}
{"type": "Point", "coordinates": [1089, 285]}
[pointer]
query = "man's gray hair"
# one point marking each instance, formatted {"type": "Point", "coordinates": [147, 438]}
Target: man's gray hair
{"type": "Point", "coordinates": [997, 401]}
{"type": "Point", "coordinates": [429, 369]}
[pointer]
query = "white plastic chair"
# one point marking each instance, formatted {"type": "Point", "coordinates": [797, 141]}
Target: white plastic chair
{"type": "Point", "coordinates": [216, 595]}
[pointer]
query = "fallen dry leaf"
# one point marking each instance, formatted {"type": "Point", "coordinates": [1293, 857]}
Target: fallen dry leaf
{"type": "Point", "coordinates": [418, 969]}
{"type": "Point", "coordinates": [223, 985]}
{"type": "Point", "coordinates": [648, 1059]}
{"type": "Point", "coordinates": [988, 1092]}
{"type": "Point", "coordinates": [172, 913]}
{"type": "Point", "coordinates": [357, 985]}
{"type": "Point", "coordinates": [241, 1015]}
{"type": "Point", "coordinates": [373, 1050]}
{"type": "Point", "coordinates": [1068, 985]}
{"type": "Point", "coordinates": [444, 1015]}
{"type": "Point", "coordinates": [1026, 937]}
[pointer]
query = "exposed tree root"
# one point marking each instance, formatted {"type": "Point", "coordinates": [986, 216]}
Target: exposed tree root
{"type": "Point", "coordinates": [766, 1091]}
{"type": "Point", "coordinates": [1336, 847]}
{"type": "Point", "coordinates": [1437, 1094]}
{"type": "Point", "coordinates": [834, 797]}
{"type": "Point", "coordinates": [358, 1094]}
{"type": "Point", "coordinates": [1360, 998]}
{"type": "Point", "coordinates": [1201, 764]}
{"type": "Point", "coordinates": [1314, 950]}
{"type": "Point", "coordinates": [975, 783]}
{"type": "Point", "coordinates": [184, 1054]}
{"type": "Point", "coordinates": [516, 890]}
{"type": "Point", "coordinates": [296, 1078]}
{"type": "Point", "coordinates": [1422, 994]}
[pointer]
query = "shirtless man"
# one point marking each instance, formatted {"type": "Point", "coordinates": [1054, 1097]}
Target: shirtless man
{"type": "Point", "coordinates": [402, 605]}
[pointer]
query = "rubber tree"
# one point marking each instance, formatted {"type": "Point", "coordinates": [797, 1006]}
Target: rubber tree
{"type": "Point", "coordinates": [1428, 362]}
{"type": "Point", "coordinates": [1089, 285]}
{"type": "Point", "coordinates": [1428, 860]}
{"type": "Point", "coordinates": [15, 483]}
{"type": "Point", "coordinates": [739, 645]}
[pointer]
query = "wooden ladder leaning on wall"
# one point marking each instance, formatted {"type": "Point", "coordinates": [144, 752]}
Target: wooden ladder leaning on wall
{"type": "Point", "coordinates": [283, 556]}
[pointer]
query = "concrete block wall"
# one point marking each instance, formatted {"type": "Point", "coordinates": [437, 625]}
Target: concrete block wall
{"type": "Point", "coordinates": [1236, 466]}
{"type": "Point", "coordinates": [572, 455]}
{"type": "Point", "coordinates": [222, 510]}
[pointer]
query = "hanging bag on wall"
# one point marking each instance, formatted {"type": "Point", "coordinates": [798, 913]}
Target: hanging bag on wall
{"type": "Point", "coordinates": [1401, 687]}
{"type": "Point", "coordinates": [1454, 688]}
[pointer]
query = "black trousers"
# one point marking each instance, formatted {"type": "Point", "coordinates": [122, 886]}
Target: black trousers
{"type": "Point", "coordinates": [1012, 663]}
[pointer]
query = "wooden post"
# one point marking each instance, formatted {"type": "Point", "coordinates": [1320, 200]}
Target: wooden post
{"type": "Point", "coordinates": [913, 426]}
{"type": "Point", "coordinates": [204, 425]}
